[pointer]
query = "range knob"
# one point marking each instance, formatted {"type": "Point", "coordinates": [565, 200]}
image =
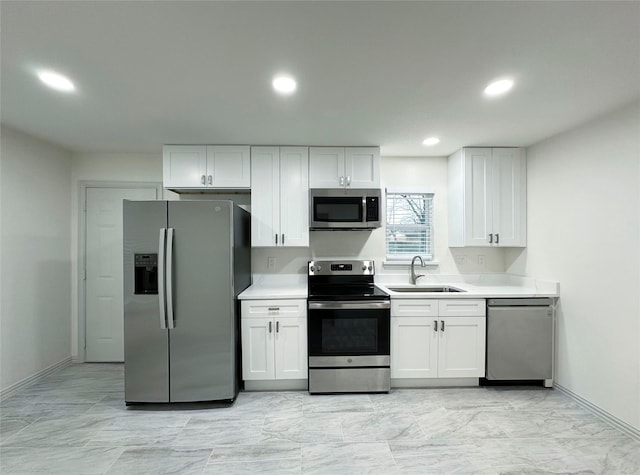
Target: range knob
{"type": "Point", "coordinates": [312, 268]}
{"type": "Point", "coordinates": [370, 268]}
{"type": "Point", "coordinates": [364, 267]}
{"type": "Point", "coordinates": [319, 268]}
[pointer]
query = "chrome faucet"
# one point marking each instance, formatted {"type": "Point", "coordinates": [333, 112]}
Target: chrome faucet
{"type": "Point", "coordinates": [415, 277]}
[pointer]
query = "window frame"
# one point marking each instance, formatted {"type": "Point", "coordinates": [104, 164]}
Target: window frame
{"type": "Point", "coordinates": [402, 259]}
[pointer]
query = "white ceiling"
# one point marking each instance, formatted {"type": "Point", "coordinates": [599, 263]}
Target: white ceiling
{"type": "Point", "coordinates": [369, 73]}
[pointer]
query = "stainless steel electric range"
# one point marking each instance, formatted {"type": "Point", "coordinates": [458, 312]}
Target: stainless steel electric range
{"type": "Point", "coordinates": [349, 321]}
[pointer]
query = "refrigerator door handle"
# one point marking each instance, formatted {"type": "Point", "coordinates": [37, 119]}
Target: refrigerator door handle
{"type": "Point", "coordinates": [161, 280]}
{"type": "Point", "coordinates": [169, 278]}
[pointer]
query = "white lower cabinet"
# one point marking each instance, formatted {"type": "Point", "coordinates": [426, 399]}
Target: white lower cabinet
{"type": "Point", "coordinates": [438, 338]}
{"type": "Point", "coordinates": [414, 348]}
{"type": "Point", "coordinates": [274, 339]}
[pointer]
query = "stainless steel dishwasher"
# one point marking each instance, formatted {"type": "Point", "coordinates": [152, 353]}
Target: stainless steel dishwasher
{"type": "Point", "coordinates": [520, 335]}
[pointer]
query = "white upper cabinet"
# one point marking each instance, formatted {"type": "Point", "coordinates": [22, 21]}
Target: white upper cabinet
{"type": "Point", "coordinates": [206, 167]}
{"type": "Point", "coordinates": [344, 167]}
{"type": "Point", "coordinates": [184, 166]}
{"type": "Point", "coordinates": [280, 196]}
{"type": "Point", "coordinates": [487, 197]}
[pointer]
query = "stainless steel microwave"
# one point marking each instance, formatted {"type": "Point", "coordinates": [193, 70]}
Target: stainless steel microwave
{"type": "Point", "coordinates": [344, 209]}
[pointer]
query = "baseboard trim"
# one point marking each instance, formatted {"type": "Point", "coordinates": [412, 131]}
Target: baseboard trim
{"type": "Point", "coordinates": [276, 385]}
{"type": "Point", "coordinates": [26, 382]}
{"type": "Point", "coordinates": [601, 413]}
{"type": "Point", "coordinates": [410, 383]}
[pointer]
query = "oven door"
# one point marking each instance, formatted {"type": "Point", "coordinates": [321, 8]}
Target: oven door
{"type": "Point", "coordinates": [349, 333]}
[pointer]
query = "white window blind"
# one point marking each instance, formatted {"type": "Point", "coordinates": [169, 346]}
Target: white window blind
{"type": "Point", "coordinates": [409, 225]}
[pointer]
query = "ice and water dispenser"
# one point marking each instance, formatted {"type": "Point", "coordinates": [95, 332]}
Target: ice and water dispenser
{"type": "Point", "coordinates": [146, 274]}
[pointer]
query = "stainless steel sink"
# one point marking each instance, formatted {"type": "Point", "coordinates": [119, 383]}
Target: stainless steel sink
{"type": "Point", "coordinates": [426, 289]}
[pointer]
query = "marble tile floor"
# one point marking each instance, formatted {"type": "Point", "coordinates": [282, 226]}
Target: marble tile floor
{"type": "Point", "coordinates": [75, 422]}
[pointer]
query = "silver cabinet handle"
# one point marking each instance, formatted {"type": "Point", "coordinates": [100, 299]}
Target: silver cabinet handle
{"type": "Point", "coordinates": [269, 327]}
{"type": "Point", "coordinates": [276, 239]}
{"type": "Point", "coordinates": [277, 327]}
{"type": "Point", "coordinates": [283, 239]}
{"type": "Point", "coordinates": [348, 180]}
{"type": "Point", "coordinates": [202, 180]}
{"type": "Point", "coordinates": [435, 325]}
{"type": "Point", "coordinates": [341, 181]}
{"type": "Point", "coordinates": [273, 309]}
{"type": "Point", "coordinates": [169, 279]}
{"type": "Point", "coordinates": [497, 239]}
{"type": "Point", "coordinates": [442, 325]}
{"type": "Point", "coordinates": [490, 238]}
{"type": "Point", "coordinates": [210, 179]}
{"type": "Point", "coordinates": [161, 281]}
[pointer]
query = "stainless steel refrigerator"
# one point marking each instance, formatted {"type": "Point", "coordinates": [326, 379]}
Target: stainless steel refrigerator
{"type": "Point", "coordinates": [185, 262]}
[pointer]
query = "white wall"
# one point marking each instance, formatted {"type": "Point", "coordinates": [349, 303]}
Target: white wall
{"type": "Point", "coordinates": [93, 167]}
{"type": "Point", "coordinates": [429, 174]}
{"type": "Point", "coordinates": [36, 257]}
{"type": "Point", "coordinates": [583, 222]}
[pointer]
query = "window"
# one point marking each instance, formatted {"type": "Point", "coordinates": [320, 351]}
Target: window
{"type": "Point", "coordinates": [409, 225]}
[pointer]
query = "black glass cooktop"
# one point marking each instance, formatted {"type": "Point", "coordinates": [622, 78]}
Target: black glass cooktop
{"type": "Point", "coordinates": [346, 292]}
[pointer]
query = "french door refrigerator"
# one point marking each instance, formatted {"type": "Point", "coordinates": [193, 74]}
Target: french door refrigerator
{"type": "Point", "coordinates": [185, 262]}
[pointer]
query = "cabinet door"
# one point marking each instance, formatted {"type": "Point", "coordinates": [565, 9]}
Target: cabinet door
{"type": "Point", "coordinates": [265, 196]}
{"type": "Point", "coordinates": [291, 348]}
{"type": "Point", "coordinates": [362, 167]}
{"type": "Point", "coordinates": [461, 347]}
{"type": "Point", "coordinates": [294, 196]}
{"type": "Point", "coordinates": [478, 198]}
{"type": "Point", "coordinates": [509, 196]}
{"type": "Point", "coordinates": [414, 347]}
{"type": "Point", "coordinates": [228, 166]}
{"type": "Point", "coordinates": [184, 166]}
{"type": "Point", "coordinates": [326, 167]}
{"type": "Point", "coordinates": [257, 348]}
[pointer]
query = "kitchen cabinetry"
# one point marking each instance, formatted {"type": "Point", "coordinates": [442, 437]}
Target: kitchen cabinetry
{"type": "Point", "coordinates": [344, 167]}
{"type": "Point", "coordinates": [433, 338]}
{"type": "Point", "coordinates": [274, 339]}
{"type": "Point", "coordinates": [280, 196]}
{"type": "Point", "coordinates": [487, 197]}
{"type": "Point", "coordinates": [202, 167]}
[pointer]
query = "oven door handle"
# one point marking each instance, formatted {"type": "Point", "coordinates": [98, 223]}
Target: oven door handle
{"type": "Point", "coordinates": [351, 305]}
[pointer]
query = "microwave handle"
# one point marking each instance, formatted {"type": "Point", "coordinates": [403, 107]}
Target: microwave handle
{"type": "Point", "coordinates": [364, 209]}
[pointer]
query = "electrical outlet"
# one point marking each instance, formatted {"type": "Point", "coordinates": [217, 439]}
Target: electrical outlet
{"type": "Point", "coordinates": [271, 263]}
{"type": "Point", "coordinates": [461, 260]}
{"type": "Point", "coordinates": [481, 260]}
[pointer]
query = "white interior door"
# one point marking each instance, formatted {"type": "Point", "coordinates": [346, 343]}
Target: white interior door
{"type": "Point", "coordinates": [104, 320]}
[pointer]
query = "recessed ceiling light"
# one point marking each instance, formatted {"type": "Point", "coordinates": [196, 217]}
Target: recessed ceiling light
{"type": "Point", "coordinates": [431, 141]}
{"type": "Point", "coordinates": [284, 84]}
{"type": "Point", "coordinates": [56, 81]}
{"type": "Point", "coordinates": [498, 87]}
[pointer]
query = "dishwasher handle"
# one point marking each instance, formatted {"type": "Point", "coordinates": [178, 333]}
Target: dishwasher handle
{"type": "Point", "coordinates": [524, 302]}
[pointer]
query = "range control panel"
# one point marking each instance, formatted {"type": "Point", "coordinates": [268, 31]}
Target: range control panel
{"type": "Point", "coordinates": [341, 268]}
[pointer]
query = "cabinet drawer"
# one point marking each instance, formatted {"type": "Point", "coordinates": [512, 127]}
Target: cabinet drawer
{"type": "Point", "coordinates": [462, 308]}
{"type": "Point", "coordinates": [274, 308]}
{"type": "Point", "coordinates": [414, 308]}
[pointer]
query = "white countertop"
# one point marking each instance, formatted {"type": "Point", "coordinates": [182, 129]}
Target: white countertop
{"type": "Point", "coordinates": [294, 286]}
{"type": "Point", "coordinates": [276, 286]}
{"type": "Point", "coordinates": [474, 286]}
